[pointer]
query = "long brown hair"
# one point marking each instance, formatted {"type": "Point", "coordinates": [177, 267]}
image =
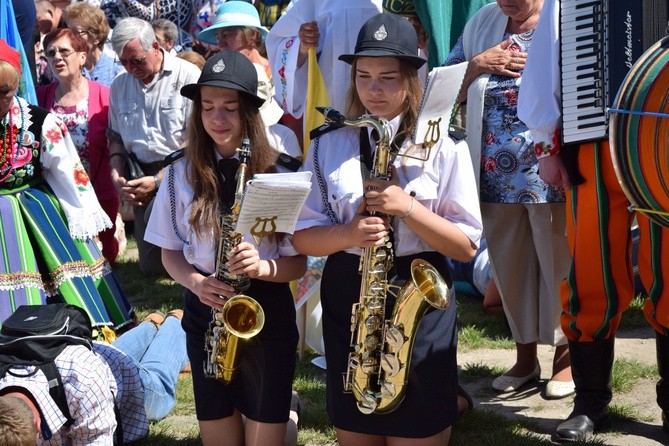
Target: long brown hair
{"type": "Point", "coordinates": [355, 109]}
{"type": "Point", "coordinates": [201, 155]}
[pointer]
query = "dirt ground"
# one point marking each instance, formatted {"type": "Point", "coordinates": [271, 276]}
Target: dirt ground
{"type": "Point", "coordinates": [529, 403]}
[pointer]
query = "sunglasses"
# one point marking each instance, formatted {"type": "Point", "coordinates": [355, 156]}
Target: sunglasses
{"type": "Point", "coordinates": [63, 52]}
{"type": "Point", "coordinates": [137, 61]}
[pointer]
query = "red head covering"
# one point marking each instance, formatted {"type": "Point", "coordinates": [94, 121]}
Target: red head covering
{"type": "Point", "coordinates": [9, 54]}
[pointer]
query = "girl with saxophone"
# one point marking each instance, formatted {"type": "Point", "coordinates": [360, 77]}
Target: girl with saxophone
{"type": "Point", "coordinates": [429, 208]}
{"type": "Point", "coordinates": [198, 188]}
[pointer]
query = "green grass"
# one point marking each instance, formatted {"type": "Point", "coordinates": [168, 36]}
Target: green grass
{"type": "Point", "coordinates": [633, 317]}
{"type": "Point", "coordinates": [478, 329]}
{"type": "Point", "coordinates": [626, 373]}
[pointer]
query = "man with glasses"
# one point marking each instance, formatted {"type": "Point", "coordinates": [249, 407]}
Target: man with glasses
{"type": "Point", "coordinates": [147, 120]}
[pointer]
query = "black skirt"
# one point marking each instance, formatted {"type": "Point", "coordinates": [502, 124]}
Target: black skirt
{"type": "Point", "coordinates": [262, 385]}
{"type": "Point", "coordinates": [430, 405]}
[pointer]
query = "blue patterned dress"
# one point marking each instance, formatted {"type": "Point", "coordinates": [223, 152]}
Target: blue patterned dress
{"type": "Point", "coordinates": [509, 171]}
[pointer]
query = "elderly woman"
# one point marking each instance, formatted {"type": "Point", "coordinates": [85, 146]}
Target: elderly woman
{"type": "Point", "coordinates": [523, 217]}
{"type": "Point", "coordinates": [90, 23]}
{"type": "Point", "coordinates": [48, 209]}
{"type": "Point", "coordinates": [83, 105]}
{"type": "Point", "coordinates": [237, 28]}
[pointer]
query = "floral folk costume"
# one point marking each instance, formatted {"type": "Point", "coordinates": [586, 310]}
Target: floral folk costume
{"type": "Point", "coordinates": [49, 215]}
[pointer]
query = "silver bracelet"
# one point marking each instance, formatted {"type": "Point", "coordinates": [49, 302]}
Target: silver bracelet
{"type": "Point", "coordinates": [156, 181]}
{"type": "Point", "coordinates": [413, 204]}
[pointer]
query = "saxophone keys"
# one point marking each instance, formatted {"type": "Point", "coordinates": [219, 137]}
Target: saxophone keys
{"type": "Point", "coordinates": [376, 304]}
{"type": "Point", "coordinates": [367, 403]}
{"type": "Point", "coordinates": [372, 323]}
{"type": "Point", "coordinates": [381, 254]}
{"type": "Point", "coordinates": [395, 337]}
{"type": "Point", "coordinates": [391, 365]}
{"type": "Point", "coordinates": [369, 366]}
{"type": "Point", "coordinates": [371, 343]}
{"type": "Point", "coordinates": [388, 390]}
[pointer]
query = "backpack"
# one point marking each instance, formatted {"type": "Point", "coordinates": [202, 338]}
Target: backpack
{"type": "Point", "coordinates": [34, 335]}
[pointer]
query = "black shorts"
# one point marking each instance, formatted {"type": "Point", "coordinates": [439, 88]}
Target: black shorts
{"type": "Point", "coordinates": [262, 385]}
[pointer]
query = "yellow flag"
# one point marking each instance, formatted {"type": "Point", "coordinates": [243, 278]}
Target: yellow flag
{"type": "Point", "coordinates": [317, 96]}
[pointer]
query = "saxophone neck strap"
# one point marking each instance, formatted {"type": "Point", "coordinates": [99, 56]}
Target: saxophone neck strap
{"type": "Point", "coordinates": [366, 155]}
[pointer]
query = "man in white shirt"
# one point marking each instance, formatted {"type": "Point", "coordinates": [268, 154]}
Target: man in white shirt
{"type": "Point", "coordinates": [147, 118]}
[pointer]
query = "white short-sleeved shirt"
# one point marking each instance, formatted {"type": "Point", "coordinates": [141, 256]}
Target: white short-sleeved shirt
{"type": "Point", "coordinates": [168, 225]}
{"type": "Point", "coordinates": [444, 184]}
{"type": "Point", "coordinates": [151, 119]}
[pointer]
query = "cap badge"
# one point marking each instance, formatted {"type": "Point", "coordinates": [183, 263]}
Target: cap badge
{"type": "Point", "coordinates": [381, 33]}
{"type": "Point", "coordinates": [218, 66]}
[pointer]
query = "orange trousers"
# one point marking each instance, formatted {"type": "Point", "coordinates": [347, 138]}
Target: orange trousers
{"type": "Point", "coordinates": [600, 284]}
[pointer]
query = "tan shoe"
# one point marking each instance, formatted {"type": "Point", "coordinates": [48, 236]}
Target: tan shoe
{"type": "Point", "coordinates": [156, 318]}
{"type": "Point", "coordinates": [177, 313]}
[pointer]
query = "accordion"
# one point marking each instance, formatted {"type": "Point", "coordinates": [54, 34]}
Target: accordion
{"type": "Point", "coordinates": [599, 42]}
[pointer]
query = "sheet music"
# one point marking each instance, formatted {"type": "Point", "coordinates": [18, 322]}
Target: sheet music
{"type": "Point", "coordinates": [441, 92]}
{"type": "Point", "coordinates": [272, 203]}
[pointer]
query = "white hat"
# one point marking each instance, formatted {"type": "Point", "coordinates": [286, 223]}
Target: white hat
{"type": "Point", "coordinates": [270, 111]}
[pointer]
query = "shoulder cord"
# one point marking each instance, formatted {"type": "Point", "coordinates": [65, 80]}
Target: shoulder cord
{"type": "Point", "coordinates": [322, 186]}
{"type": "Point", "coordinates": [173, 205]}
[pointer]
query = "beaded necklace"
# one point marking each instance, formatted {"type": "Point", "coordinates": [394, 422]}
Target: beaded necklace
{"type": "Point", "coordinates": [9, 140]}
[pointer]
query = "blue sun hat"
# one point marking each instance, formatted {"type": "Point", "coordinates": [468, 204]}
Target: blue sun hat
{"type": "Point", "coordinates": [233, 13]}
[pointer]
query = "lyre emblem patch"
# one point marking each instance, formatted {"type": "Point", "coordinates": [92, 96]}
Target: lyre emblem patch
{"type": "Point", "coordinates": [264, 227]}
{"type": "Point", "coordinates": [218, 66]}
{"type": "Point", "coordinates": [381, 33]}
{"type": "Point", "coordinates": [432, 134]}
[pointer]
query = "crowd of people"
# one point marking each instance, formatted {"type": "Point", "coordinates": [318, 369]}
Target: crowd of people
{"type": "Point", "coordinates": [152, 105]}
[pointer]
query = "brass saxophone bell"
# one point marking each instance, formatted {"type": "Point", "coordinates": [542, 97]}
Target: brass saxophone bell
{"type": "Point", "coordinates": [243, 318]}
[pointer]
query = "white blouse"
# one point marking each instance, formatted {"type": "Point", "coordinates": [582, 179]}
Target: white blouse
{"type": "Point", "coordinates": [168, 225]}
{"type": "Point", "coordinates": [444, 184]}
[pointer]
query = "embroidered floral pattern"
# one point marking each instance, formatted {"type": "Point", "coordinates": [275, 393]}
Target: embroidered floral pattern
{"type": "Point", "coordinates": [16, 151]}
{"type": "Point", "coordinates": [81, 177]}
{"type": "Point", "coordinates": [75, 118]}
{"type": "Point", "coordinates": [25, 152]}
{"type": "Point", "coordinates": [542, 150]}
{"type": "Point", "coordinates": [53, 136]}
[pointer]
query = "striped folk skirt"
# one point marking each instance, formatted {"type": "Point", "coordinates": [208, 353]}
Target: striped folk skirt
{"type": "Point", "coordinates": [41, 263]}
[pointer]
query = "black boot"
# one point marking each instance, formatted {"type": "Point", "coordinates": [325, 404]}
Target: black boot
{"type": "Point", "coordinates": [662, 388]}
{"type": "Point", "coordinates": [591, 366]}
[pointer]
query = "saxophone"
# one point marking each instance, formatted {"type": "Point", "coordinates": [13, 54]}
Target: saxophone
{"type": "Point", "coordinates": [379, 360]}
{"type": "Point", "coordinates": [242, 317]}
